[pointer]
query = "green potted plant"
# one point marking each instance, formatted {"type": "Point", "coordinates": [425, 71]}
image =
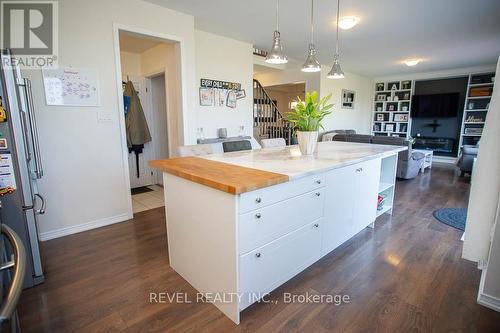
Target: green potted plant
{"type": "Point", "coordinates": [306, 117]}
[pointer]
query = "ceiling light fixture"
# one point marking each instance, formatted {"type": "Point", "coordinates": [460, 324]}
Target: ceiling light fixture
{"type": "Point", "coordinates": [411, 62]}
{"type": "Point", "coordinates": [312, 64]}
{"type": "Point", "coordinates": [276, 56]}
{"type": "Point", "coordinates": [348, 22]}
{"type": "Point", "coordinates": [336, 71]}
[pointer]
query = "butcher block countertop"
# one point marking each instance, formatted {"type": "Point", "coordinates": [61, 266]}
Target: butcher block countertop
{"type": "Point", "coordinates": [225, 177]}
{"type": "Point", "coordinates": [245, 171]}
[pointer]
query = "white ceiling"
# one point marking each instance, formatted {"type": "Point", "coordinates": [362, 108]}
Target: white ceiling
{"type": "Point", "coordinates": [445, 33]}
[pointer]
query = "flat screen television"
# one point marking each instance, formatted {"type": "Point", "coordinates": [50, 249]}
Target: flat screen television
{"type": "Point", "coordinates": [435, 106]}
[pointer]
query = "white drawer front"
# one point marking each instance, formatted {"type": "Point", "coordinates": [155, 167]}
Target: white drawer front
{"type": "Point", "coordinates": [269, 195]}
{"type": "Point", "coordinates": [264, 269]}
{"type": "Point", "coordinates": [266, 224]}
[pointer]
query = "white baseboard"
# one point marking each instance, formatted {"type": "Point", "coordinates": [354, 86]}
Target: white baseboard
{"type": "Point", "coordinates": [44, 236]}
{"type": "Point", "coordinates": [489, 301]}
{"type": "Point", "coordinates": [486, 300]}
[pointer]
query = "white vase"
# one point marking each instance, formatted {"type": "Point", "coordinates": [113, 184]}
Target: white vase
{"type": "Point", "coordinates": [308, 141]}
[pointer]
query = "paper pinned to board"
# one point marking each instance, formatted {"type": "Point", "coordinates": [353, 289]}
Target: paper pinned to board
{"type": "Point", "coordinates": [71, 86]}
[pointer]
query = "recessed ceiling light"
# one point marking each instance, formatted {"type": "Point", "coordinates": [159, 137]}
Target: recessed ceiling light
{"type": "Point", "coordinates": [347, 22]}
{"type": "Point", "coordinates": [411, 62]}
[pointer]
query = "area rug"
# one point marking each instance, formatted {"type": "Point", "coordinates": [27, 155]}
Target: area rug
{"type": "Point", "coordinates": [142, 189]}
{"type": "Point", "coordinates": [454, 217]}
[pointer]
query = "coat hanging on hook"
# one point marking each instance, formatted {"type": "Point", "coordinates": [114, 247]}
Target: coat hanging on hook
{"type": "Point", "coordinates": [136, 125]}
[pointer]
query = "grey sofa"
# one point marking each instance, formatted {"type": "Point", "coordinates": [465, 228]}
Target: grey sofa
{"type": "Point", "coordinates": [466, 159]}
{"type": "Point", "coordinates": [409, 161]}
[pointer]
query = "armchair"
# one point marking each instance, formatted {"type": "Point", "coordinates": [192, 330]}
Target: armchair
{"type": "Point", "coordinates": [466, 159]}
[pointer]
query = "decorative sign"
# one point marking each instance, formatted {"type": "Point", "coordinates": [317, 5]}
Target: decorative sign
{"type": "Point", "coordinates": [71, 87]}
{"type": "Point", "coordinates": [207, 83]}
{"type": "Point", "coordinates": [220, 93]}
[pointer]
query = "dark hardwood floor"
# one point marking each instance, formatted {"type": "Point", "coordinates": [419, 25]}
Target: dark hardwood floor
{"type": "Point", "coordinates": [405, 275]}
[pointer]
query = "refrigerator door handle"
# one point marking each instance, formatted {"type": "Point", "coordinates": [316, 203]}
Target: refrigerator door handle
{"type": "Point", "coordinates": [40, 211]}
{"type": "Point", "coordinates": [33, 129]}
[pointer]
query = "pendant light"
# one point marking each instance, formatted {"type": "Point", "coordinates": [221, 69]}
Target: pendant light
{"type": "Point", "coordinates": [312, 64]}
{"type": "Point", "coordinates": [276, 56]}
{"type": "Point", "coordinates": [336, 71]}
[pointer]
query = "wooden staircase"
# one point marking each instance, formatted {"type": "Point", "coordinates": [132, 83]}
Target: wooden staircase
{"type": "Point", "coordinates": [268, 121]}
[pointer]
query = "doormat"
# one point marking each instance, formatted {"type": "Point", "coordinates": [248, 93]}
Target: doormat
{"type": "Point", "coordinates": [142, 189]}
{"type": "Point", "coordinates": [454, 217]}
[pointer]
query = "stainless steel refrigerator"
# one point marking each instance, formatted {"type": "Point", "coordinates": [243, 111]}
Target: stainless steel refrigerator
{"type": "Point", "coordinates": [20, 164]}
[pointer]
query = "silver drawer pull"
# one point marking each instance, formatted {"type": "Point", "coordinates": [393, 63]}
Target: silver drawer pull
{"type": "Point", "coordinates": [257, 254]}
{"type": "Point", "coordinates": [359, 169]}
{"type": "Point", "coordinates": [258, 216]}
{"type": "Point", "coordinates": [316, 225]}
{"type": "Point", "coordinates": [258, 200]}
{"type": "Point", "coordinates": [318, 181]}
{"type": "Point", "coordinates": [318, 194]}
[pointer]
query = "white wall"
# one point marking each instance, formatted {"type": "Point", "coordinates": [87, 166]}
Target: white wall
{"type": "Point", "coordinates": [225, 59]}
{"type": "Point", "coordinates": [85, 179]}
{"type": "Point", "coordinates": [130, 63]}
{"type": "Point", "coordinates": [485, 186]}
{"type": "Point", "coordinates": [358, 118]}
{"type": "Point", "coordinates": [165, 58]}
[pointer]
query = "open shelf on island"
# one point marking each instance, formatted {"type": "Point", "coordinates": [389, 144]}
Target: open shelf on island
{"type": "Point", "coordinates": [384, 209]}
{"type": "Point", "coordinates": [384, 186]}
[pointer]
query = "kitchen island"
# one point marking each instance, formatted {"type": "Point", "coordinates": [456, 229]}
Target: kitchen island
{"type": "Point", "coordinates": [241, 224]}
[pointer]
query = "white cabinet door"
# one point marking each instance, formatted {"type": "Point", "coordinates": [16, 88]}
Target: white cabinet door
{"type": "Point", "coordinates": [340, 192]}
{"type": "Point", "coordinates": [365, 203]}
{"type": "Point", "coordinates": [350, 202]}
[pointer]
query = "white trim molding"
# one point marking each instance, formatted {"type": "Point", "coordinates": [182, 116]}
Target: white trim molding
{"type": "Point", "coordinates": [74, 229]}
{"type": "Point", "coordinates": [486, 300]}
{"type": "Point", "coordinates": [489, 301]}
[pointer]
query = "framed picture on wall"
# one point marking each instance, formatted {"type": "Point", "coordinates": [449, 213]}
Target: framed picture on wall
{"type": "Point", "coordinates": [206, 97]}
{"type": "Point", "coordinates": [348, 99]}
{"type": "Point", "coordinates": [241, 94]}
{"type": "Point", "coordinates": [231, 99]}
{"type": "Point", "coordinates": [400, 117]}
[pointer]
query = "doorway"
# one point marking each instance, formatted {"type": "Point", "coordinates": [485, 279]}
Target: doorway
{"type": "Point", "coordinates": [146, 62]}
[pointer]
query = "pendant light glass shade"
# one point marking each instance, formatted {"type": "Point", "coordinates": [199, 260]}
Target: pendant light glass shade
{"type": "Point", "coordinates": [277, 56]}
{"type": "Point", "coordinates": [336, 72]}
{"type": "Point", "coordinates": [312, 64]}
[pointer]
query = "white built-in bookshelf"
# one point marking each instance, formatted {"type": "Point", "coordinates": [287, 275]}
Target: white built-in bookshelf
{"type": "Point", "coordinates": [477, 102]}
{"type": "Point", "coordinates": [391, 108]}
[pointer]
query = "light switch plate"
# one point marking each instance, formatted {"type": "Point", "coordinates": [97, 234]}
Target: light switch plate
{"type": "Point", "coordinates": [104, 117]}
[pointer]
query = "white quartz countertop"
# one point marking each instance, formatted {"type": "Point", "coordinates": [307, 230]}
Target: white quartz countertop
{"type": "Point", "coordinates": [289, 161]}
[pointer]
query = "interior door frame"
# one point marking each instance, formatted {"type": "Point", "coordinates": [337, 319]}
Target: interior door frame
{"type": "Point", "coordinates": [148, 80]}
{"type": "Point", "coordinates": [117, 27]}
